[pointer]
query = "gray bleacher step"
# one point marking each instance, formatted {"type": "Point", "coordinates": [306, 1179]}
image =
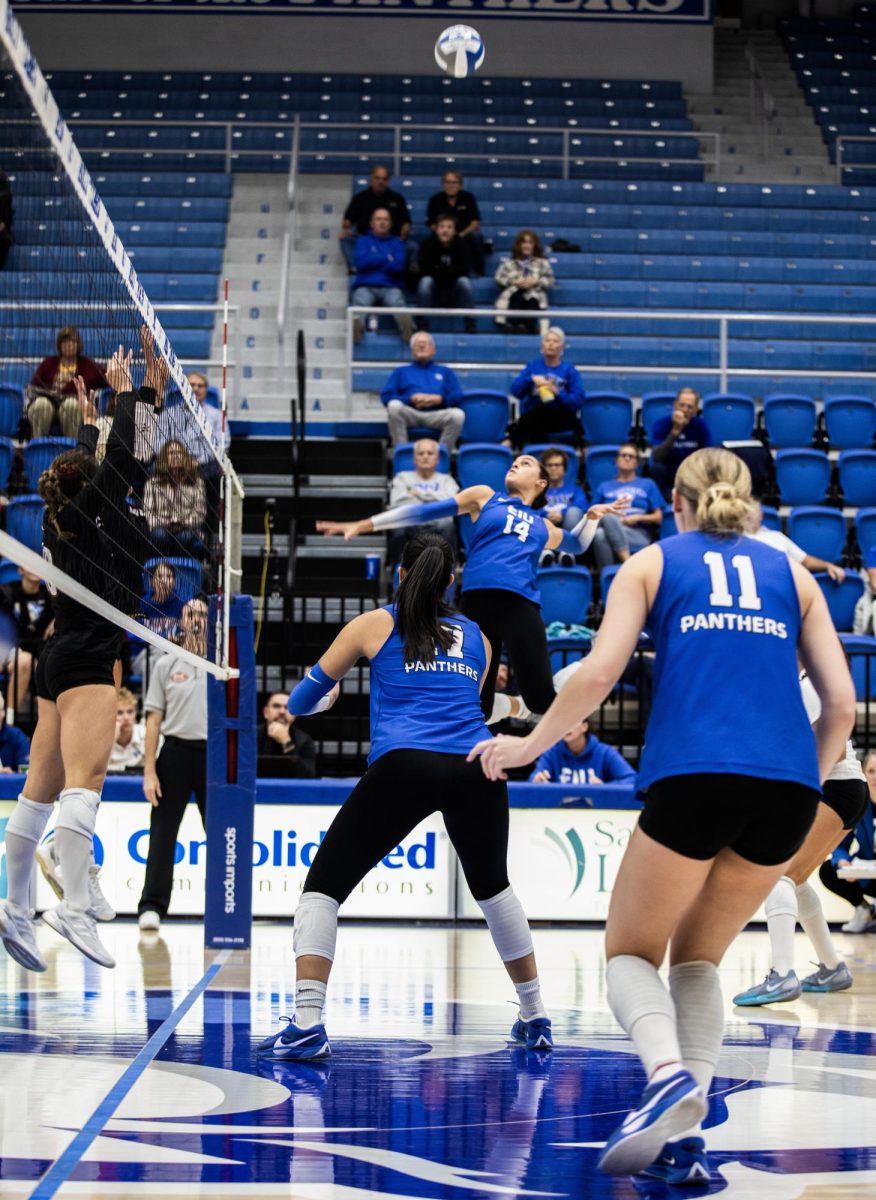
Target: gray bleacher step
{"type": "Point", "coordinates": [353, 491]}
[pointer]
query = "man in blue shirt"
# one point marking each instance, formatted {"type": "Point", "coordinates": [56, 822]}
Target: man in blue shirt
{"type": "Point", "coordinates": [423, 394]}
{"type": "Point", "coordinates": [677, 436]}
{"type": "Point", "coordinates": [379, 259]}
{"type": "Point", "coordinates": [551, 394]}
{"type": "Point", "coordinates": [14, 746]}
{"type": "Point", "coordinates": [619, 537]}
{"type": "Point", "coordinates": [582, 758]}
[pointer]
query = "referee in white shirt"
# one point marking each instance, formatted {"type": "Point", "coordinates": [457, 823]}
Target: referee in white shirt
{"type": "Point", "coordinates": [176, 708]}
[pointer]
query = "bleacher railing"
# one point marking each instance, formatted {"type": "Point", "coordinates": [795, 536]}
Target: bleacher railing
{"type": "Point", "coordinates": [723, 322]}
{"type": "Point", "coordinates": [841, 140]}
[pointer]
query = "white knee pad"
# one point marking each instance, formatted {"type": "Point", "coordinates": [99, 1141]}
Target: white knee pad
{"type": "Point", "coordinates": [808, 902]}
{"type": "Point", "coordinates": [635, 990]}
{"type": "Point", "coordinates": [782, 900]}
{"type": "Point", "coordinates": [508, 925]}
{"type": "Point", "coordinates": [77, 811]}
{"type": "Point", "coordinates": [29, 819]}
{"type": "Point", "coordinates": [315, 930]}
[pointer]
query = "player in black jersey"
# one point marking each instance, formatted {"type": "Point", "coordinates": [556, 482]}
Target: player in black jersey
{"type": "Point", "coordinates": [89, 534]}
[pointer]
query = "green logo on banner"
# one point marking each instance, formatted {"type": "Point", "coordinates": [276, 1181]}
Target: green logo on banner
{"type": "Point", "coordinates": [572, 849]}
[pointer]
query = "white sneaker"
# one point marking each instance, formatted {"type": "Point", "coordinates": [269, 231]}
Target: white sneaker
{"type": "Point", "coordinates": [16, 932]}
{"type": "Point", "coordinates": [80, 929]}
{"type": "Point", "coordinates": [47, 857]}
{"type": "Point", "coordinates": [149, 921]}
{"type": "Point", "coordinates": [863, 917]}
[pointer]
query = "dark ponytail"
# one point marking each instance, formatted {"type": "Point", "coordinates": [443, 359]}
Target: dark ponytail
{"type": "Point", "coordinates": [428, 563]}
{"type": "Point", "coordinates": [63, 480]}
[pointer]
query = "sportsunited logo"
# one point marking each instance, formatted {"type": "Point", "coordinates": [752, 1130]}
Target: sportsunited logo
{"type": "Point", "coordinates": [230, 869]}
{"type": "Point", "coordinates": [572, 849]}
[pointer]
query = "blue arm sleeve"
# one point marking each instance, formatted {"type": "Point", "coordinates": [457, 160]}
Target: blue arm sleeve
{"type": "Point", "coordinates": [415, 514]}
{"type": "Point", "coordinates": [312, 689]}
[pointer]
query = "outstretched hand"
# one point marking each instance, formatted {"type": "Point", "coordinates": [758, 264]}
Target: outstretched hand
{"type": "Point", "coordinates": [87, 401]}
{"type": "Point", "coordinates": [118, 370]}
{"type": "Point", "coordinates": [347, 529]}
{"type": "Point", "coordinates": [499, 753]}
{"type": "Point", "coordinates": [617, 508]}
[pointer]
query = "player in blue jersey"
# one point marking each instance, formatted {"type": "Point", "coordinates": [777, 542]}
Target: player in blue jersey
{"type": "Point", "coordinates": [730, 778]}
{"type": "Point", "coordinates": [499, 584]}
{"type": "Point", "coordinates": [428, 665]}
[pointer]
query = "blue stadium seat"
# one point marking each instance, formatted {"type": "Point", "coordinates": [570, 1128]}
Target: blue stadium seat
{"type": "Point", "coordinates": [483, 462]}
{"type": "Point", "coordinates": [802, 476]}
{"type": "Point", "coordinates": [729, 416]}
{"type": "Point", "coordinates": [8, 572]}
{"type": "Point", "coordinates": [857, 476]}
{"type": "Point", "coordinates": [607, 417]}
{"type": "Point", "coordinates": [850, 421]}
{"type": "Point", "coordinates": [11, 405]}
{"type": "Point", "coordinates": [403, 457]}
{"type": "Point", "coordinates": [865, 527]}
{"type": "Point", "coordinates": [40, 453]}
{"type": "Point", "coordinates": [789, 419]}
{"type": "Point", "coordinates": [566, 593]}
{"type": "Point", "coordinates": [7, 457]}
{"type": "Point", "coordinates": [24, 521]}
{"type": "Point", "coordinates": [606, 579]}
{"type": "Point", "coordinates": [188, 576]}
{"type": "Point", "coordinates": [668, 528]}
{"type": "Point", "coordinates": [601, 465]}
{"type": "Point", "coordinates": [771, 518]}
{"type": "Point", "coordinates": [654, 406]}
{"type": "Point", "coordinates": [861, 651]}
{"type": "Point", "coordinates": [819, 531]}
{"type": "Point", "coordinates": [486, 416]}
{"type": "Point", "coordinates": [841, 598]}
{"type": "Point", "coordinates": [540, 448]}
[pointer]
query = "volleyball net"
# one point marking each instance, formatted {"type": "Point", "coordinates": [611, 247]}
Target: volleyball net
{"type": "Point", "coordinates": [81, 348]}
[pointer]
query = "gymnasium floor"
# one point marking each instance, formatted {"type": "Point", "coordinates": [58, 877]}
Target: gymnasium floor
{"type": "Point", "coordinates": [141, 1081]}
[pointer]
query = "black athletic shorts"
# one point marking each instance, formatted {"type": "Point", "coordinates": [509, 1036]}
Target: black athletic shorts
{"type": "Point", "coordinates": [848, 798]}
{"type": "Point", "coordinates": [764, 820]}
{"type": "Point", "coordinates": [75, 659]}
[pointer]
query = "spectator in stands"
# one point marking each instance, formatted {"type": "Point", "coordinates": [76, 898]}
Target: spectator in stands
{"type": "Point", "coordinates": [675, 437]}
{"type": "Point", "coordinates": [52, 389]}
{"type": "Point", "coordinates": [161, 611]}
{"type": "Point", "coordinates": [551, 395]}
{"type": "Point", "coordinates": [176, 424]}
{"type": "Point", "coordinates": [130, 744]}
{"type": "Point", "coordinates": [380, 273]}
{"type": "Point", "coordinates": [175, 503]}
{"type": "Point", "coordinates": [14, 746]}
{"type": "Point", "coordinates": [284, 751]}
{"type": "Point", "coordinates": [639, 526]}
{"type": "Point", "coordinates": [423, 393]}
{"type": "Point", "coordinates": [28, 601]}
{"type": "Point", "coordinates": [524, 278]}
{"type": "Point", "coordinates": [463, 207]}
{"type": "Point", "coordinates": [444, 266]}
{"type": "Point", "coordinates": [856, 891]}
{"type": "Point", "coordinates": [6, 216]}
{"type": "Point", "coordinates": [424, 484]}
{"type": "Point", "coordinates": [782, 542]}
{"type": "Point", "coordinates": [565, 503]}
{"type": "Point", "coordinates": [582, 758]}
{"type": "Point", "coordinates": [360, 210]}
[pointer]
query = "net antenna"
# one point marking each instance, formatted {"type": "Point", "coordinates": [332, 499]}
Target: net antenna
{"type": "Point", "coordinates": [164, 503]}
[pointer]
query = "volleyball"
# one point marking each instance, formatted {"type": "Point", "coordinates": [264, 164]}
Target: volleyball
{"type": "Point", "coordinates": [459, 51]}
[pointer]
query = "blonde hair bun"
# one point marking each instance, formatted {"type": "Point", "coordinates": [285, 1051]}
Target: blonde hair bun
{"type": "Point", "coordinates": [717, 484]}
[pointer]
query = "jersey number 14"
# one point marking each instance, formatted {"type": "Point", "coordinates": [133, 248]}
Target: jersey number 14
{"type": "Point", "coordinates": [520, 529]}
{"type": "Point", "coordinates": [720, 596]}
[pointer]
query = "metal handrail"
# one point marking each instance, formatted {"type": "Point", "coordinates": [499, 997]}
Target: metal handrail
{"type": "Point", "coordinates": [840, 166]}
{"type": "Point", "coordinates": [723, 320]}
{"type": "Point", "coordinates": [761, 101]}
{"type": "Point", "coordinates": [289, 240]}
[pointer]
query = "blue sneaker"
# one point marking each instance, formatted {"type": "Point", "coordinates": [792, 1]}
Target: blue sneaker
{"type": "Point", "coordinates": [668, 1107]}
{"type": "Point", "coordinates": [775, 989]}
{"type": "Point", "coordinates": [680, 1163]}
{"type": "Point", "coordinates": [535, 1034]}
{"type": "Point", "coordinates": [293, 1044]}
{"type": "Point", "coordinates": [826, 979]}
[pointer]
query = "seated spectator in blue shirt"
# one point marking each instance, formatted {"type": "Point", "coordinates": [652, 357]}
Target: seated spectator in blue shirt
{"type": "Point", "coordinates": [565, 503]}
{"type": "Point", "coordinates": [14, 746]}
{"type": "Point", "coordinates": [582, 758]}
{"type": "Point", "coordinates": [551, 394]}
{"type": "Point", "coordinates": [380, 273]}
{"type": "Point", "coordinates": [675, 437]}
{"type": "Point", "coordinates": [423, 394]}
{"type": "Point", "coordinates": [619, 537]}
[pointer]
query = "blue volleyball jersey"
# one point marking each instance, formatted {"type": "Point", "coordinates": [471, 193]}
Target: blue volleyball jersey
{"type": "Point", "coordinates": [725, 624]}
{"type": "Point", "coordinates": [428, 706]}
{"type": "Point", "coordinates": [507, 541]}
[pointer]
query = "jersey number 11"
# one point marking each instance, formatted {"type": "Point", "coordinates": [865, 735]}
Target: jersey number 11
{"type": "Point", "coordinates": [719, 596]}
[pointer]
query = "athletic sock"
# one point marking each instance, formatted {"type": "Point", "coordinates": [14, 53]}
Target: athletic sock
{"type": "Point", "coordinates": [529, 997]}
{"type": "Point", "coordinates": [699, 1008]}
{"type": "Point", "coordinates": [74, 831]}
{"type": "Point", "coordinates": [23, 832]}
{"type": "Point", "coordinates": [309, 1002]}
{"type": "Point", "coordinates": [645, 1011]}
{"type": "Point", "coordinates": [811, 916]}
{"type": "Point", "coordinates": [780, 907]}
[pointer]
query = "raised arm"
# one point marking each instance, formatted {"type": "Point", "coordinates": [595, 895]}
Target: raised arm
{"type": "Point", "coordinates": [469, 500]}
{"type": "Point", "coordinates": [363, 636]}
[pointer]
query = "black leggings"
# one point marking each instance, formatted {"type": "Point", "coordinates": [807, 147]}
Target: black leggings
{"type": "Point", "coordinates": [393, 796]}
{"type": "Point", "coordinates": [510, 620]}
{"type": "Point", "coordinates": [855, 891]}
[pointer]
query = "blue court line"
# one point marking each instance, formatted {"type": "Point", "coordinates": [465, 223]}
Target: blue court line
{"type": "Point", "coordinates": [63, 1167]}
